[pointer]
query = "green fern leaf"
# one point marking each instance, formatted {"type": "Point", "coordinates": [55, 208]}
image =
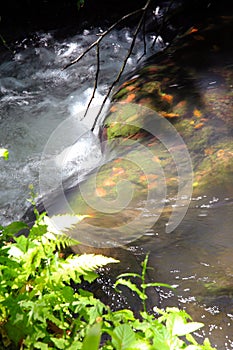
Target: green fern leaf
{"type": "Point", "coordinates": [123, 337]}
{"type": "Point", "coordinates": [132, 287]}
{"type": "Point", "coordinates": [63, 241]}
{"type": "Point", "coordinates": [58, 224]}
{"type": "Point", "coordinates": [83, 265]}
{"type": "Point", "coordinates": [92, 339]}
{"type": "Point", "coordinates": [4, 153]}
{"type": "Point", "coordinates": [90, 262]}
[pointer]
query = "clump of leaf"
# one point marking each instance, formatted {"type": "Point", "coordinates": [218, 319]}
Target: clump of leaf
{"type": "Point", "coordinates": [4, 153]}
{"type": "Point", "coordinates": [38, 307]}
{"type": "Point", "coordinates": [169, 329]}
{"type": "Point", "coordinates": [40, 310]}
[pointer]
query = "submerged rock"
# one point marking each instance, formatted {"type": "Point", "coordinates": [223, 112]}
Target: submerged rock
{"type": "Point", "coordinates": [167, 135]}
{"type": "Point", "coordinates": [189, 84]}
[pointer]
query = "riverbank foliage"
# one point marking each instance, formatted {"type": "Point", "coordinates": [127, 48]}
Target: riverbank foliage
{"type": "Point", "coordinates": [44, 306]}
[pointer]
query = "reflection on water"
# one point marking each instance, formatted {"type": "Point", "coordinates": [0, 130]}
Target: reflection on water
{"type": "Point", "coordinates": [197, 258]}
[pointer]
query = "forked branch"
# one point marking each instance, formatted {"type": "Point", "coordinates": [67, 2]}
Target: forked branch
{"type": "Point", "coordinates": [96, 44]}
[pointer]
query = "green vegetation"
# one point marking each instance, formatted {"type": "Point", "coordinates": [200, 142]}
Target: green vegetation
{"type": "Point", "coordinates": [39, 309]}
{"type": "Point", "coordinates": [80, 3]}
{"type": "Point", "coordinates": [4, 153]}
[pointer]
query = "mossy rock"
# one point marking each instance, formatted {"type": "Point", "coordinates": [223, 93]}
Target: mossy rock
{"type": "Point", "coordinates": [189, 84]}
{"type": "Point", "coordinates": [177, 88]}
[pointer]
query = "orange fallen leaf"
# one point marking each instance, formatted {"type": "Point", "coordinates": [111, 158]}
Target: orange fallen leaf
{"type": "Point", "coordinates": [192, 30]}
{"type": "Point", "coordinates": [151, 144]}
{"type": "Point", "coordinates": [197, 113]}
{"type": "Point", "coordinates": [181, 103]}
{"type": "Point", "coordinates": [198, 126]}
{"type": "Point", "coordinates": [100, 192]}
{"type": "Point", "coordinates": [109, 183]}
{"type": "Point", "coordinates": [143, 178]}
{"type": "Point", "coordinates": [220, 153]}
{"type": "Point", "coordinates": [169, 115]}
{"type": "Point", "coordinates": [172, 179]}
{"type": "Point", "coordinates": [130, 88]}
{"type": "Point", "coordinates": [118, 171]}
{"type": "Point", "coordinates": [118, 160]}
{"type": "Point", "coordinates": [208, 151]}
{"type": "Point", "coordinates": [112, 124]}
{"type": "Point", "coordinates": [148, 177]}
{"type": "Point", "coordinates": [167, 98]}
{"type": "Point", "coordinates": [156, 159]}
{"type": "Point", "coordinates": [113, 109]}
{"type": "Point", "coordinates": [130, 98]}
{"type": "Point", "coordinates": [138, 136]}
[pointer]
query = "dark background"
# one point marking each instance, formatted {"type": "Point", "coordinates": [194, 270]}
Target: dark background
{"type": "Point", "coordinates": [19, 18]}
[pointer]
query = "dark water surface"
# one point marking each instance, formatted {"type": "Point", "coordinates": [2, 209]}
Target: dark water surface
{"type": "Point", "coordinates": [197, 259]}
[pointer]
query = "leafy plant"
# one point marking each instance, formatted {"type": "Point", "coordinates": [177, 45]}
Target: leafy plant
{"type": "Point", "coordinates": [38, 307]}
{"type": "Point", "coordinates": [4, 153]}
{"type": "Point", "coordinates": [170, 329]}
{"type": "Point", "coordinates": [132, 286]}
{"type": "Point", "coordinates": [40, 310]}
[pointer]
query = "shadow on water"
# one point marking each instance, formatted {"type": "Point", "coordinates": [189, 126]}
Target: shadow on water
{"type": "Point", "coordinates": [197, 259]}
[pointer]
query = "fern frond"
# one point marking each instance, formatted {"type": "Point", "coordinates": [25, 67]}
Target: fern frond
{"type": "Point", "coordinates": [58, 224]}
{"type": "Point", "coordinates": [63, 241]}
{"type": "Point", "coordinates": [90, 262]}
{"type": "Point", "coordinates": [82, 265]}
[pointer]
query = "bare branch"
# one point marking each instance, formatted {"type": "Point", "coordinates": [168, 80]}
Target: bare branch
{"type": "Point", "coordinates": [101, 36]}
{"type": "Point", "coordinates": [96, 79]}
{"type": "Point", "coordinates": [124, 63]}
{"type": "Point", "coordinates": [96, 44]}
{"type": "Point", "coordinates": [144, 41]}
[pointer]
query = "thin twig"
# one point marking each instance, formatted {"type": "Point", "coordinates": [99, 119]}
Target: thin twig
{"type": "Point", "coordinates": [96, 79]}
{"type": "Point", "coordinates": [101, 36]}
{"type": "Point", "coordinates": [97, 44]}
{"type": "Point", "coordinates": [124, 63]}
{"type": "Point", "coordinates": [144, 41]}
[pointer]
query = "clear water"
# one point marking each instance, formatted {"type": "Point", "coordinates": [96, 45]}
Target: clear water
{"type": "Point", "coordinates": [36, 95]}
{"type": "Point", "coordinates": [197, 259]}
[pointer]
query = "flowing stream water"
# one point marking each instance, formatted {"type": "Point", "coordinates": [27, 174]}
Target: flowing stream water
{"type": "Point", "coordinates": [36, 96]}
